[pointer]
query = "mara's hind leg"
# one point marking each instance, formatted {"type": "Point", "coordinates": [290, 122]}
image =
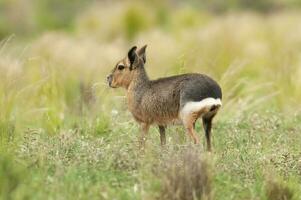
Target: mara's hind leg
{"type": "Point", "coordinates": [192, 110]}
{"type": "Point", "coordinates": [207, 124]}
{"type": "Point", "coordinates": [162, 135]}
{"type": "Point", "coordinates": [189, 124]}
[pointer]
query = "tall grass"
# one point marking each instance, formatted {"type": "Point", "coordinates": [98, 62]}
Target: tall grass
{"type": "Point", "coordinates": [58, 76]}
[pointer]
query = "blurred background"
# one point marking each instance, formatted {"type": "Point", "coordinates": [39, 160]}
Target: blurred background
{"type": "Point", "coordinates": [55, 54]}
{"type": "Point", "coordinates": [64, 134]}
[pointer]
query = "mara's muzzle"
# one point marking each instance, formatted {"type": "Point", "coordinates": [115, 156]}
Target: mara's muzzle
{"type": "Point", "coordinates": [109, 79]}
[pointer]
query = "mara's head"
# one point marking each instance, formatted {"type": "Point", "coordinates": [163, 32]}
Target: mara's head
{"type": "Point", "coordinates": [125, 70]}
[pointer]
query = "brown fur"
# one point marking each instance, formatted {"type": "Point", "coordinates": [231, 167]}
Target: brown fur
{"type": "Point", "coordinates": [155, 101]}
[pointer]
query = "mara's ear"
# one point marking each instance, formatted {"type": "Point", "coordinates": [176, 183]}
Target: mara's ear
{"type": "Point", "coordinates": [132, 55]}
{"type": "Point", "coordinates": [141, 53]}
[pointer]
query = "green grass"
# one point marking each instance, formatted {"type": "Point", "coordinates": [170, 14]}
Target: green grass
{"type": "Point", "coordinates": [248, 152]}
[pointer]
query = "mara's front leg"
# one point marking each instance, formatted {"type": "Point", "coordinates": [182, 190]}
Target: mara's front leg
{"type": "Point", "coordinates": [162, 135]}
{"type": "Point", "coordinates": [144, 131]}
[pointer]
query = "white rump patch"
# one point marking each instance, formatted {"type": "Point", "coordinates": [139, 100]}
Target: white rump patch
{"type": "Point", "coordinates": [196, 106]}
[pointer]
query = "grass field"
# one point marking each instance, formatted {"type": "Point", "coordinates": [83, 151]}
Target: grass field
{"type": "Point", "coordinates": [66, 135]}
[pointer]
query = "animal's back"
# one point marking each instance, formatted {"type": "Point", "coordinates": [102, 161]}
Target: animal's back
{"type": "Point", "coordinates": [199, 87]}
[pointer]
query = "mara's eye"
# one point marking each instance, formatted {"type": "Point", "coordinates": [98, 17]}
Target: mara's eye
{"type": "Point", "coordinates": [120, 67]}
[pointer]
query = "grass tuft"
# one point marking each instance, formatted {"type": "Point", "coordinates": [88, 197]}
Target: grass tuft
{"type": "Point", "coordinates": [278, 190]}
{"type": "Point", "coordinates": [187, 176]}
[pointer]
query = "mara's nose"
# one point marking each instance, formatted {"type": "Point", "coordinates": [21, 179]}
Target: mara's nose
{"type": "Point", "coordinates": [109, 79]}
